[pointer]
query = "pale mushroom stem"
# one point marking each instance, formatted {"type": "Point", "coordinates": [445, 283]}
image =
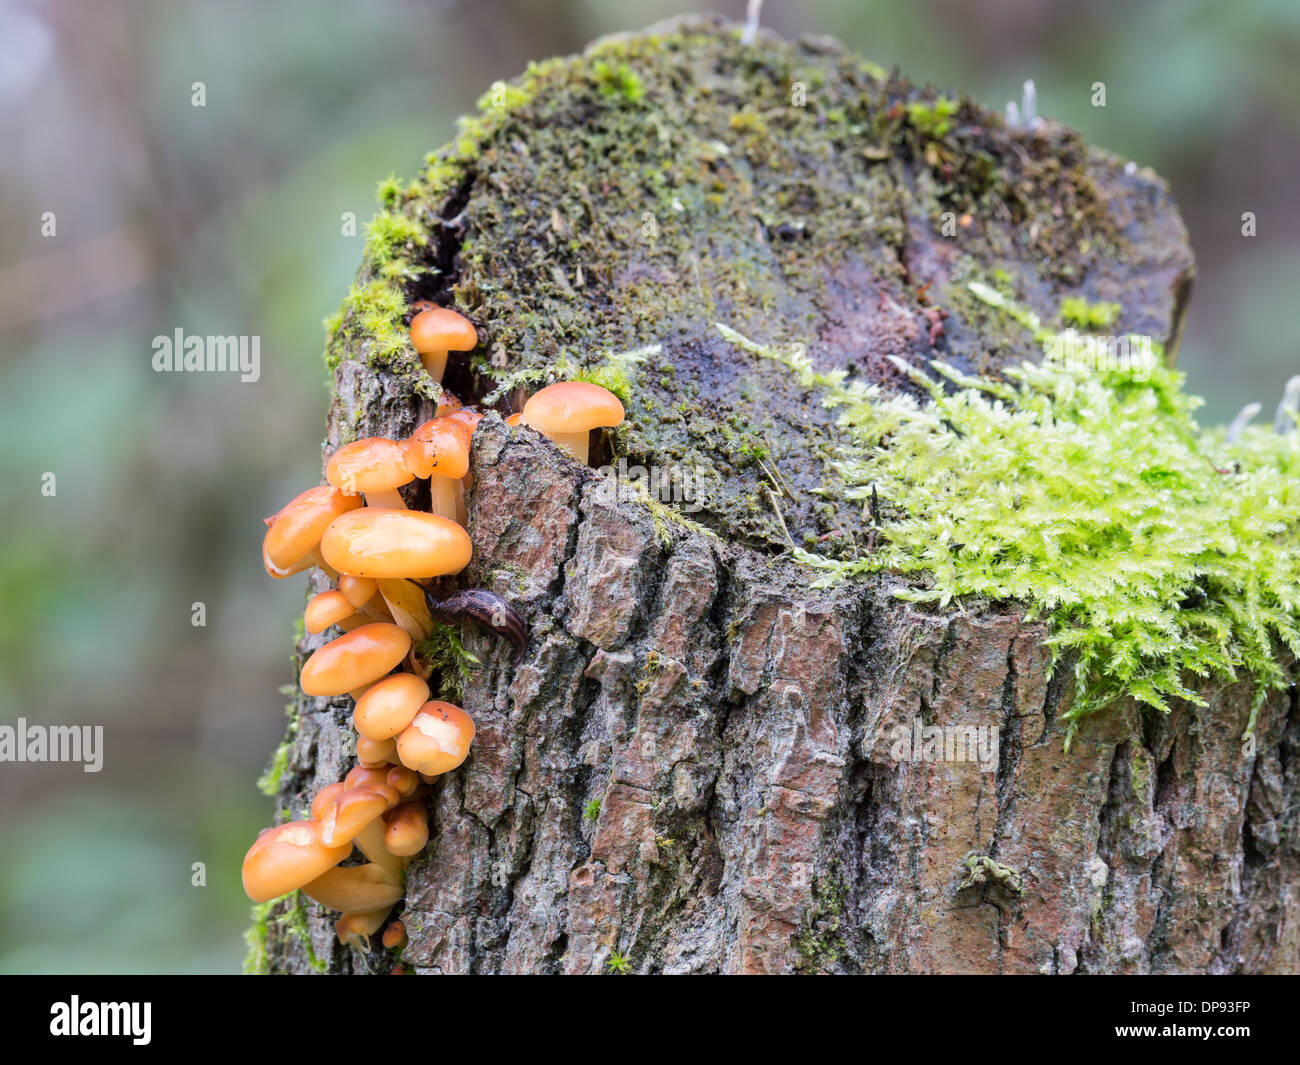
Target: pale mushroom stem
{"type": "Point", "coordinates": [389, 497]}
{"type": "Point", "coordinates": [370, 842]}
{"type": "Point", "coordinates": [574, 443]}
{"type": "Point", "coordinates": [444, 492]}
{"type": "Point", "coordinates": [435, 362]}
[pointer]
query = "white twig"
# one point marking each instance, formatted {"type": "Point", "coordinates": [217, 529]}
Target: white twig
{"type": "Point", "coordinates": [752, 11]}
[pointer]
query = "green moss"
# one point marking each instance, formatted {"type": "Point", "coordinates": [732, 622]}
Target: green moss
{"type": "Point", "coordinates": [933, 119]}
{"type": "Point", "coordinates": [591, 812]}
{"type": "Point", "coordinates": [452, 663]}
{"type": "Point", "coordinates": [1078, 312]}
{"type": "Point", "coordinates": [618, 81]}
{"type": "Point", "coordinates": [391, 236]}
{"type": "Point", "coordinates": [256, 958]}
{"type": "Point", "coordinates": [617, 964]}
{"type": "Point", "coordinates": [269, 782]}
{"type": "Point", "coordinates": [819, 940]}
{"type": "Point", "coordinates": [389, 192]}
{"type": "Point", "coordinates": [981, 869]}
{"type": "Point", "coordinates": [294, 922]}
{"type": "Point", "coordinates": [1156, 552]}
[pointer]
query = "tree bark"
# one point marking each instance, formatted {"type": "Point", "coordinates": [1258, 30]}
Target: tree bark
{"type": "Point", "coordinates": [694, 768]}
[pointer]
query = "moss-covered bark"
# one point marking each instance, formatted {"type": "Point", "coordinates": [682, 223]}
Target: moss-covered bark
{"type": "Point", "coordinates": [693, 766]}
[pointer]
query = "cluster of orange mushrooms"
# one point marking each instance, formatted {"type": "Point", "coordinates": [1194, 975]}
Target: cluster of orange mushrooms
{"type": "Point", "coordinates": [359, 532]}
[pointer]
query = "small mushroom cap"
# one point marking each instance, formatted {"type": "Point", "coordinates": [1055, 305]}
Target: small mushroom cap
{"type": "Point", "coordinates": [514, 419]}
{"type": "Point", "coordinates": [375, 754]}
{"type": "Point", "coordinates": [439, 446]}
{"type": "Point", "coordinates": [437, 740]}
{"type": "Point", "coordinates": [296, 528]}
{"type": "Point", "coordinates": [390, 706]}
{"type": "Point", "coordinates": [350, 812]}
{"type": "Point", "coordinates": [326, 609]}
{"type": "Point", "coordinates": [324, 797]}
{"type": "Point", "coordinates": [354, 929]}
{"type": "Point", "coordinates": [368, 777]}
{"type": "Point", "coordinates": [359, 590]}
{"type": "Point", "coordinates": [572, 407]}
{"type": "Point", "coordinates": [442, 329]}
{"type": "Point", "coordinates": [286, 857]}
{"type": "Point", "coordinates": [395, 936]}
{"type": "Point", "coordinates": [385, 543]}
{"type": "Point", "coordinates": [408, 829]}
{"type": "Point", "coordinates": [371, 465]}
{"type": "Point", "coordinates": [403, 780]}
{"type": "Point", "coordinates": [361, 656]}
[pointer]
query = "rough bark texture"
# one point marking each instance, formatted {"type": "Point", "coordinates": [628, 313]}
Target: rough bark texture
{"type": "Point", "coordinates": [735, 727]}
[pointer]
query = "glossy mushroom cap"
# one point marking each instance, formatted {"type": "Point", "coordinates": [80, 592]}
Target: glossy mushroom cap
{"type": "Point", "coordinates": [395, 936]}
{"type": "Point", "coordinates": [572, 407]}
{"type": "Point", "coordinates": [568, 411]}
{"type": "Point", "coordinates": [326, 609]}
{"type": "Point", "coordinates": [342, 820]}
{"type": "Point", "coordinates": [370, 465]}
{"type": "Point", "coordinates": [358, 590]}
{"type": "Point", "coordinates": [408, 829]}
{"type": "Point", "coordinates": [437, 740]}
{"type": "Point", "coordinates": [385, 543]}
{"type": "Point", "coordinates": [286, 857]}
{"type": "Point", "coordinates": [440, 446]}
{"type": "Point", "coordinates": [390, 706]}
{"type": "Point", "coordinates": [295, 530]}
{"type": "Point", "coordinates": [438, 330]}
{"type": "Point", "coordinates": [362, 656]}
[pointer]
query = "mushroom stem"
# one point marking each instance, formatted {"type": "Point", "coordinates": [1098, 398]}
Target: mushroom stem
{"type": "Point", "coordinates": [435, 362]}
{"type": "Point", "coordinates": [574, 443]}
{"type": "Point", "coordinates": [444, 493]}
{"type": "Point", "coordinates": [388, 497]}
{"type": "Point", "coordinates": [370, 842]}
{"type": "Point", "coordinates": [356, 889]}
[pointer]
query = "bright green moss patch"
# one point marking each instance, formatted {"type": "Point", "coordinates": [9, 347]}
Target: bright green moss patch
{"type": "Point", "coordinates": [256, 960]}
{"type": "Point", "coordinates": [1078, 312]}
{"type": "Point", "coordinates": [1156, 552]}
{"type": "Point", "coordinates": [452, 663]}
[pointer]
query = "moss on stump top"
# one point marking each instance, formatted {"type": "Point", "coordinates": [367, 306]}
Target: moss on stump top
{"type": "Point", "coordinates": [628, 199]}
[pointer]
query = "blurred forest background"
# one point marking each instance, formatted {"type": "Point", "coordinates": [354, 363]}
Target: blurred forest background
{"type": "Point", "coordinates": [226, 219]}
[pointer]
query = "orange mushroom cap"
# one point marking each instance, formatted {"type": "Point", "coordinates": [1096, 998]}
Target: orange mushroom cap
{"type": "Point", "coordinates": [439, 446]}
{"type": "Point", "coordinates": [390, 706]}
{"type": "Point", "coordinates": [437, 740]}
{"type": "Point", "coordinates": [359, 590]}
{"type": "Point", "coordinates": [294, 531]}
{"type": "Point", "coordinates": [375, 754]}
{"type": "Point", "coordinates": [361, 656]}
{"type": "Point", "coordinates": [404, 781]}
{"type": "Point", "coordinates": [324, 797]}
{"type": "Point", "coordinates": [362, 775]}
{"type": "Point", "coordinates": [370, 465]}
{"type": "Point", "coordinates": [572, 407]}
{"type": "Point", "coordinates": [326, 609]}
{"type": "Point", "coordinates": [350, 812]}
{"type": "Point", "coordinates": [285, 858]}
{"type": "Point", "coordinates": [408, 829]}
{"type": "Point", "coordinates": [395, 936]}
{"type": "Point", "coordinates": [381, 542]}
{"type": "Point", "coordinates": [442, 329]}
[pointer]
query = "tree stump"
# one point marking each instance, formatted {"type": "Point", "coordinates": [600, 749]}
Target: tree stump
{"type": "Point", "coordinates": [694, 768]}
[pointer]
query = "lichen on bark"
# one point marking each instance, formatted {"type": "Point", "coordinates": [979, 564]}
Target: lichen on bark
{"type": "Point", "coordinates": [730, 726]}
